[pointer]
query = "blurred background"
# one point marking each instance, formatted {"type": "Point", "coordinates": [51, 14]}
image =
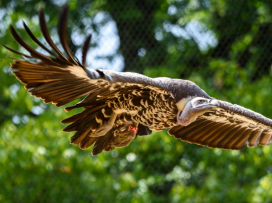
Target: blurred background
{"type": "Point", "coordinates": [222, 45]}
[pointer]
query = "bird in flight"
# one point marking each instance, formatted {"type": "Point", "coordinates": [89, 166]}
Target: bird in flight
{"type": "Point", "coordinates": [119, 106]}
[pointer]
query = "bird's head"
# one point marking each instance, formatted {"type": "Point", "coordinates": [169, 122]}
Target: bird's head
{"type": "Point", "coordinates": [192, 107]}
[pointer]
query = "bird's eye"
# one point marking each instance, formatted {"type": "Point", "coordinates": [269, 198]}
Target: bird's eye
{"type": "Point", "coordinates": [200, 101]}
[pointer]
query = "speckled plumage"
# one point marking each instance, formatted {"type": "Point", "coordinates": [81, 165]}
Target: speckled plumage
{"type": "Point", "coordinates": [115, 101]}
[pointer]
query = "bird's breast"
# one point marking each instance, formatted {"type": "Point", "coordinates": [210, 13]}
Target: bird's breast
{"type": "Point", "coordinates": [153, 109]}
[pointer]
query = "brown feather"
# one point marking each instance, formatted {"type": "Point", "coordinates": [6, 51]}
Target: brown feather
{"type": "Point", "coordinates": [47, 37]}
{"type": "Point", "coordinates": [62, 25]}
{"type": "Point", "coordinates": [187, 133]}
{"type": "Point", "coordinates": [210, 132]}
{"type": "Point", "coordinates": [265, 139]}
{"type": "Point", "coordinates": [202, 131]}
{"type": "Point", "coordinates": [37, 41]}
{"type": "Point", "coordinates": [101, 143]}
{"type": "Point", "coordinates": [16, 52]}
{"type": "Point", "coordinates": [32, 51]}
{"type": "Point", "coordinates": [205, 133]}
{"type": "Point", "coordinates": [87, 142]}
{"type": "Point", "coordinates": [175, 130]}
{"type": "Point", "coordinates": [220, 134]}
{"type": "Point", "coordinates": [233, 137]}
{"type": "Point", "coordinates": [254, 138]}
{"type": "Point", "coordinates": [214, 135]}
{"type": "Point", "coordinates": [241, 141]}
{"type": "Point", "coordinates": [82, 114]}
{"type": "Point", "coordinates": [85, 49]}
{"type": "Point", "coordinates": [76, 138]}
{"type": "Point", "coordinates": [219, 137]}
{"type": "Point", "coordinates": [80, 123]}
{"type": "Point", "coordinates": [54, 84]}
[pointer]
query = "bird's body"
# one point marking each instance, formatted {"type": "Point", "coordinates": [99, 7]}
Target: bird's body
{"type": "Point", "coordinates": [121, 106]}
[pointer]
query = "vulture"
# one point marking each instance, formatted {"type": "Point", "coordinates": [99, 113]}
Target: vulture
{"type": "Point", "coordinates": [119, 106]}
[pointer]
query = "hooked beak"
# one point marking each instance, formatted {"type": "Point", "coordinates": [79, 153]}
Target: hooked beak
{"type": "Point", "coordinates": [213, 103]}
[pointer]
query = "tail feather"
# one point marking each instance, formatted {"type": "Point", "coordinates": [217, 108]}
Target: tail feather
{"type": "Point", "coordinates": [87, 123]}
{"type": "Point", "coordinates": [87, 142]}
{"type": "Point", "coordinates": [82, 115]}
{"type": "Point", "coordinates": [79, 123]}
{"type": "Point", "coordinates": [102, 143]}
{"type": "Point", "coordinates": [84, 126]}
{"type": "Point", "coordinates": [77, 138]}
{"type": "Point", "coordinates": [84, 120]}
{"type": "Point", "coordinates": [85, 130]}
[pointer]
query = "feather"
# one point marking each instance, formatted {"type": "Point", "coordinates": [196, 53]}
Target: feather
{"type": "Point", "coordinates": [193, 135]}
{"type": "Point", "coordinates": [198, 137]}
{"type": "Point", "coordinates": [62, 25]}
{"type": "Point", "coordinates": [240, 142]}
{"type": "Point", "coordinates": [48, 38]}
{"type": "Point", "coordinates": [77, 138]}
{"type": "Point", "coordinates": [265, 139]}
{"type": "Point", "coordinates": [207, 134]}
{"type": "Point", "coordinates": [85, 49]}
{"type": "Point", "coordinates": [80, 123]}
{"type": "Point", "coordinates": [231, 137]}
{"type": "Point", "coordinates": [87, 112]}
{"type": "Point", "coordinates": [214, 135]}
{"type": "Point", "coordinates": [254, 138]}
{"type": "Point", "coordinates": [37, 41]}
{"type": "Point", "coordinates": [87, 142]}
{"type": "Point", "coordinates": [16, 52]}
{"type": "Point", "coordinates": [214, 142]}
{"type": "Point", "coordinates": [101, 143]}
{"type": "Point", "coordinates": [54, 84]}
{"type": "Point", "coordinates": [32, 51]}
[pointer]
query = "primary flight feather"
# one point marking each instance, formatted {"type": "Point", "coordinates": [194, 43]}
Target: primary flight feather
{"type": "Point", "coordinates": [121, 106]}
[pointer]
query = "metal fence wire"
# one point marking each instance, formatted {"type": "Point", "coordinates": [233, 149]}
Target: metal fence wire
{"type": "Point", "coordinates": [224, 46]}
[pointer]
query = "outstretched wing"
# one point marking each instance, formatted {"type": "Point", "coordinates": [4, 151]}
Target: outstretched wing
{"type": "Point", "coordinates": [228, 127]}
{"type": "Point", "coordinates": [64, 75]}
{"type": "Point", "coordinates": [57, 79]}
{"type": "Point", "coordinates": [60, 78]}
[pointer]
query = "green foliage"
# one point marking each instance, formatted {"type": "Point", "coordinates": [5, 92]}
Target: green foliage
{"type": "Point", "coordinates": [39, 165]}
